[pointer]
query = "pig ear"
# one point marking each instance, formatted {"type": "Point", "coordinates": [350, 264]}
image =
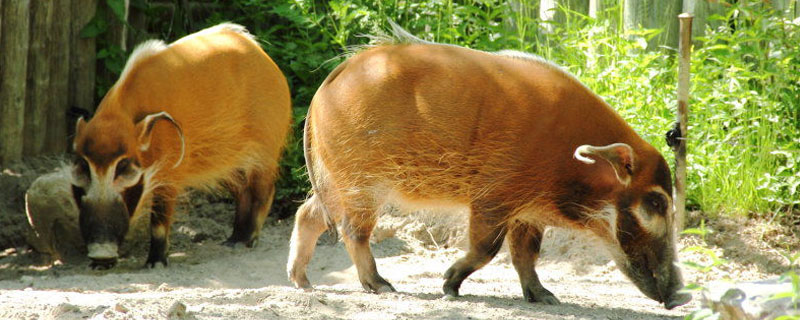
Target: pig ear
{"type": "Point", "coordinates": [78, 129]}
{"type": "Point", "coordinates": [145, 129]}
{"type": "Point", "coordinates": [619, 155]}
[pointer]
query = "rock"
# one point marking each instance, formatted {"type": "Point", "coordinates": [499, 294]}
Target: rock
{"type": "Point", "coordinates": [177, 310]}
{"type": "Point", "coordinates": [120, 308]}
{"type": "Point", "coordinates": [53, 215]}
{"type": "Point", "coordinates": [60, 310]}
{"type": "Point", "coordinates": [749, 300]}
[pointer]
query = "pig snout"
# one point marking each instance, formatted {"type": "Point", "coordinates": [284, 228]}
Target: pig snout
{"type": "Point", "coordinates": [103, 225]}
{"type": "Point", "coordinates": [103, 255]}
{"type": "Point", "coordinates": [677, 299]}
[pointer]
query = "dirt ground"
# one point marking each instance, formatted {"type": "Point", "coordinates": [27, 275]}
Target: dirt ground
{"type": "Point", "coordinates": [206, 280]}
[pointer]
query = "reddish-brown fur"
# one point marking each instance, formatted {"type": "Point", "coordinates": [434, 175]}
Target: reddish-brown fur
{"type": "Point", "coordinates": [505, 135]}
{"type": "Point", "coordinates": [231, 103]}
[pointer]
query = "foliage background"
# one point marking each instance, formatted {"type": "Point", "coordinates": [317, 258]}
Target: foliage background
{"type": "Point", "coordinates": [745, 97]}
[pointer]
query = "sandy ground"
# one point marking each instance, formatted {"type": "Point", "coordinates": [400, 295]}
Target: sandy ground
{"type": "Point", "coordinates": [216, 282]}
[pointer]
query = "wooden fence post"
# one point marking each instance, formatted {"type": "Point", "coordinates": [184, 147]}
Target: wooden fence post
{"type": "Point", "coordinates": [83, 64]}
{"type": "Point", "coordinates": [685, 49]}
{"type": "Point", "coordinates": [59, 57]}
{"type": "Point", "coordinates": [13, 70]}
{"type": "Point", "coordinates": [39, 68]}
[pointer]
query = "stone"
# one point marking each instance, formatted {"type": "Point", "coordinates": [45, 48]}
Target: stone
{"type": "Point", "coordinates": [53, 215]}
{"type": "Point", "coordinates": [62, 309]}
{"type": "Point", "coordinates": [750, 300]}
{"type": "Point", "coordinates": [119, 307]}
{"type": "Point", "coordinates": [177, 310]}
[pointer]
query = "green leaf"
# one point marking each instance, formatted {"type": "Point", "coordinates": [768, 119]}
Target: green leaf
{"type": "Point", "coordinates": [118, 7]}
{"type": "Point", "coordinates": [95, 27]}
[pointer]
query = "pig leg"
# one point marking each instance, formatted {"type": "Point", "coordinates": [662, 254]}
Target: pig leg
{"type": "Point", "coordinates": [253, 203]}
{"type": "Point", "coordinates": [309, 224]}
{"type": "Point", "coordinates": [486, 232]}
{"type": "Point", "coordinates": [160, 221]}
{"type": "Point", "coordinates": [356, 226]}
{"type": "Point", "coordinates": [524, 243]}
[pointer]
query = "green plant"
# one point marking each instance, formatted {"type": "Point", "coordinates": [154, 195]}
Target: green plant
{"type": "Point", "coordinates": [794, 292]}
{"type": "Point", "coordinates": [714, 263]}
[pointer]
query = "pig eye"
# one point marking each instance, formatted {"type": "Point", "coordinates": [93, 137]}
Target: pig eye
{"type": "Point", "coordinates": [124, 166]}
{"type": "Point", "coordinates": [81, 167]}
{"type": "Point", "coordinates": [656, 202]}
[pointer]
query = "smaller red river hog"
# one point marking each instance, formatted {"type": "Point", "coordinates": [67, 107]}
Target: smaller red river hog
{"type": "Point", "coordinates": [209, 111]}
{"type": "Point", "coordinates": [518, 141]}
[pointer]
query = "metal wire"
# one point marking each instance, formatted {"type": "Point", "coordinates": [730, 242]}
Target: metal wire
{"type": "Point", "coordinates": [731, 143]}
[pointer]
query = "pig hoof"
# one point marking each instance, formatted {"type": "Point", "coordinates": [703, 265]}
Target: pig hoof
{"type": "Point", "coordinates": [449, 297]}
{"type": "Point", "coordinates": [552, 300]}
{"type": "Point", "coordinates": [236, 245]}
{"type": "Point", "coordinates": [678, 299]}
{"type": "Point", "coordinates": [379, 285]}
{"type": "Point", "coordinates": [381, 288]}
{"type": "Point", "coordinates": [103, 264]}
{"type": "Point", "coordinates": [384, 289]}
{"type": "Point", "coordinates": [151, 263]}
{"type": "Point", "coordinates": [541, 295]}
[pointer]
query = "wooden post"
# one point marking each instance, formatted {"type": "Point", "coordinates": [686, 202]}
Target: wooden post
{"type": "Point", "coordinates": [59, 57]}
{"type": "Point", "coordinates": [82, 59]}
{"type": "Point", "coordinates": [38, 100]}
{"type": "Point", "coordinates": [13, 69]}
{"type": "Point", "coordinates": [685, 49]}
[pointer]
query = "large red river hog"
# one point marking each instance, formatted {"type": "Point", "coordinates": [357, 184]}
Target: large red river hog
{"type": "Point", "coordinates": [516, 140]}
{"type": "Point", "coordinates": [209, 111]}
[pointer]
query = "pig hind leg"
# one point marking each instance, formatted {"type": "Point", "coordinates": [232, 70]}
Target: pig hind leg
{"type": "Point", "coordinates": [524, 243]}
{"type": "Point", "coordinates": [358, 219]}
{"type": "Point", "coordinates": [253, 202]}
{"type": "Point", "coordinates": [486, 232]}
{"type": "Point", "coordinates": [160, 221]}
{"type": "Point", "coordinates": [309, 224]}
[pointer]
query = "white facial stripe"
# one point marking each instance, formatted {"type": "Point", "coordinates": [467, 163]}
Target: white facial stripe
{"type": "Point", "coordinates": [653, 223]}
{"type": "Point", "coordinates": [104, 187]}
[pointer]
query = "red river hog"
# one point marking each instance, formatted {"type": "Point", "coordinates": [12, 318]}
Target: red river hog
{"type": "Point", "coordinates": [516, 140]}
{"type": "Point", "coordinates": [208, 111]}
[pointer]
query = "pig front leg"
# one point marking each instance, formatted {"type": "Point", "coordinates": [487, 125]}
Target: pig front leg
{"type": "Point", "coordinates": [524, 243]}
{"type": "Point", "coordinates": [160, 221]}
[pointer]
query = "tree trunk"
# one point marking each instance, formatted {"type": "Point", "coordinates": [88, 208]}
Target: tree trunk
{"type": "Point", "coordinates": [39, 70]}
{"type": "Point", "coordinates": [654, 14]}
{"type": "Point", "coordinates": [82, 58]}
{"type": "Point", "coordinates": [59, 77]}
{"type": "Point", "coordinates": [13, 69]}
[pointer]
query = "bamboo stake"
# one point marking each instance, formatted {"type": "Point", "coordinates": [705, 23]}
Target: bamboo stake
{"type": "Point", "coordinates": [684, 48]}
